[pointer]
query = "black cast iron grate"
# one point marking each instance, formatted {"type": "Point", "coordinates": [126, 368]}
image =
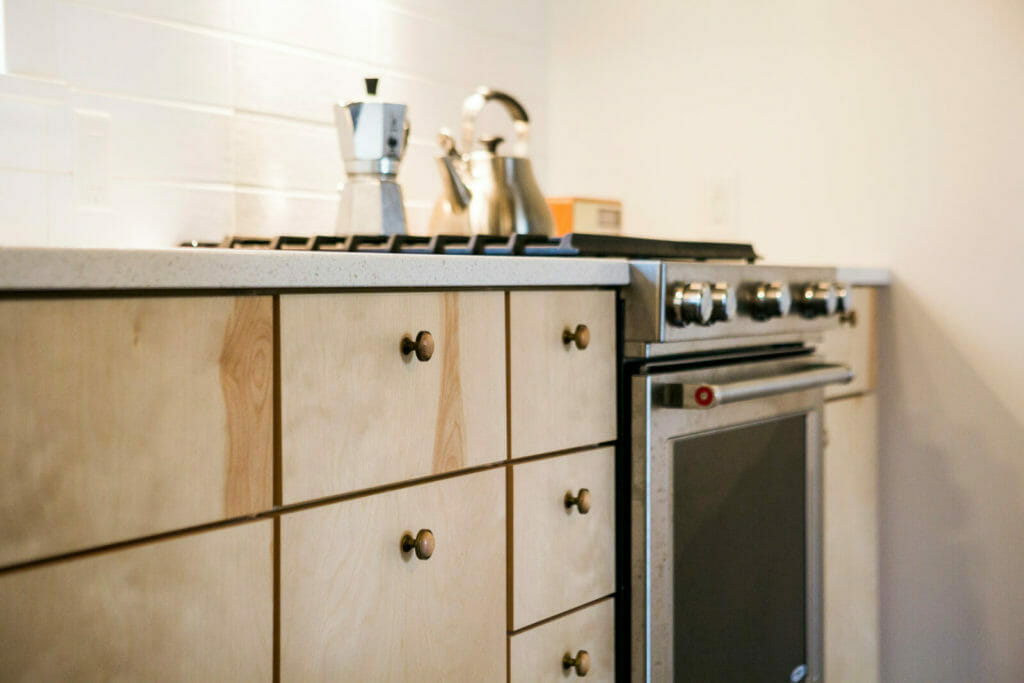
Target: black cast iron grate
{"type": "Point", "coordinates": [572, 244]}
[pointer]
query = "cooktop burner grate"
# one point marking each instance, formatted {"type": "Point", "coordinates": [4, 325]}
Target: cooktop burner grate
{"type": "Point", "coordinates": [572, 244]}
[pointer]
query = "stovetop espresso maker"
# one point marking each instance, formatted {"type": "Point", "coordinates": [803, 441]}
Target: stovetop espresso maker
{"type": "Point", "coordinates": [373, 137]}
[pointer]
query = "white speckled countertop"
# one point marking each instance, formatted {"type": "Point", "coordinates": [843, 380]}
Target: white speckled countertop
{"type": "Point", "coordinates": [56, 268]}
{"type": "Point", "coordinates": [869, 277]}
{"type": "Point", "coordinates": [52, 268]}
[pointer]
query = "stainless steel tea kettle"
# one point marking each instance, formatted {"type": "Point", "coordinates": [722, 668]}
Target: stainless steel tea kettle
{"type": "Point", "coordinates": [483, 192]}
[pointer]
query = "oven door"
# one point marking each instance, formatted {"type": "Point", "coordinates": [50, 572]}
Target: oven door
{"type": "Point", "coordinates": [726, 521]}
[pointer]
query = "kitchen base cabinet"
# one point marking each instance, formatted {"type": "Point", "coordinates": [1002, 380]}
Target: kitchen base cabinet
{"type": "Point", "coordinates": [379, 388]}
{"type": "Point", "coordinates": [578, 644]}
{"type": "Point", "coordinates": [356, 606]}
{"type": "Point", "coordinates": [561, 370]}
{"type": "Point", "coordinates": [196, 608]}
{"type": "Point", "coordinates": [130, 416]}
{"type": "Point", "coordinates": [563, 555]}
{"type": "Point", "coordinates": [851, 540]}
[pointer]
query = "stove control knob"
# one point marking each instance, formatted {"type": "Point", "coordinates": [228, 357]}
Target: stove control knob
{"type": "Point", "coordinates": [844, 304]}
{"type": "Point", "coordinates": [723, 302]}
{"type": "Point", "coordinates": [689, 303]}
{"type": "Point", "coordinates": [816, 298]}
{"type": "Point", "coordinates": [769, 300]}
{"type": "Point", "coordinates": [844, 297]}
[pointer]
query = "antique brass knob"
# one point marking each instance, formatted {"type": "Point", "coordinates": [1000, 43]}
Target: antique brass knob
{"type": "Point", "coordinates": [423, 544]}
{"type": "Point", "coordinates": [581, 662]}
{"type": "Point", "coordinates": [580, 336]}
{"type": "Point", "coordinates": [423, 346]}
{"type": "Point", "coordinates": [581, 500]}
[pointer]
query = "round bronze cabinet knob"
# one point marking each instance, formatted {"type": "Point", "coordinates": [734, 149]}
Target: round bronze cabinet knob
{"type": "Point", "coordinates": [581, 500]}
{"type": "Point", "coordinates": [423, 346]}
{"type": "Point", "coordinates": [580, 336]}
{"type": "Point", "coordinates": [423, 544]}
{"type": "Point", "coordinates": [581, 662]}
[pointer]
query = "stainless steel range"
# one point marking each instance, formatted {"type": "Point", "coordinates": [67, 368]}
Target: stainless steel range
{"type": "Point", "coordinates": [724, 394]}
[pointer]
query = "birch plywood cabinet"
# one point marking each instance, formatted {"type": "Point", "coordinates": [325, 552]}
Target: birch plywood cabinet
{"type": "Point", "coordinates": [125, 417]}
{"type": "Point", "coordinates": [356, 607]}
{"type": "Point", "coordinates": [562, 370]}
{"type": "Point", "coordinates": [306, 486]}
{"type": "Point", "coordinates": [359, 411]}
{"type": "Point", "coordinates": [198, 607]}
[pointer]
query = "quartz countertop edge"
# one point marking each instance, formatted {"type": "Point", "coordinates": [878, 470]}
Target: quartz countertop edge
{"type": "Point", "coordinates": [59, 268]}
{"type": "Point", "coordinates": [864, 277]}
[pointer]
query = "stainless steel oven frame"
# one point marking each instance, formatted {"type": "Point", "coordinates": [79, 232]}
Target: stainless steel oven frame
{"type": "Point", "coordinates": [749, 393]}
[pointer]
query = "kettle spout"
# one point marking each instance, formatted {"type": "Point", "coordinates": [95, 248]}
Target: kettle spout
{"type": "Point", "coordinates": [455, 190]}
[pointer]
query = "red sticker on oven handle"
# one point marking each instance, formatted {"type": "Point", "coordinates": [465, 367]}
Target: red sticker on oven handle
{"type": "Point", "coordinates": [704, 396]}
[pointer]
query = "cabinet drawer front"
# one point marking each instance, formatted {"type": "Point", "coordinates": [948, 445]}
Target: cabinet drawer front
{"type": "Point", "coordinates": [125, 417]}
{"type": "Point", "coordinates": [355, 607]}
{"type": "Point", "coordinates": [856, 345]}
{"type": "Point", "coordinates": [561, 396]}
{"type": "Point", "coordinates": [194, 608]}
{"type": "Point", "coordinates": [357, 412]}
{"type": "Point", "coordinates": [538, 654]}
{"type": "Point", "coordinates": [560, 558]}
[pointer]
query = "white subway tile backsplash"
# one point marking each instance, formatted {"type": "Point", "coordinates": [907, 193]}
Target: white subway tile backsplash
{"type": "Point", "coordinates": [212, 13]}
{"type": "Point", "coordinates": [288, 84]}
{"type": "Point", "coordinates": [30, 36]}
{"type": "Point", "coordinates": [142, 215]}
{"type": "Point", "coordinates": [286, 154]}
{"type": "Point", "coordinates": [417, 217]}
{"type": "Point", "coordinates": [72, 226]}
{"type": "Point", "coordinates": [261, 213]}
{"type": "Point", "coordinates": [24, 133]}
{"type": "Point", "coordinates": [522, 20]}
{"type": "Point", "coordinates": [218, 114]}
{"type": "Point", "coordinates": [418, 173]}
{"type": "Point", "coordinates": [166, 215]}
{"type": "Point", "coordinates": [23, 207]}
{"type": "Point", "coordinates": [432, 106]}
{"type": "Point", "coordinates": [347, 28]}
{"type": "Point", "coordinates": [102, 51]}
{"type": "Point", "coordinates": [157, 142]}
{"type": "Point", "coordinates": [307, 87]}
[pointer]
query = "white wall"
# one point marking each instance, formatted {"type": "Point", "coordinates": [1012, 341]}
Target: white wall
{"type": "Point", "coordinates": [148, 122]}
{"type": "Point", "coordinates": [870, 132]}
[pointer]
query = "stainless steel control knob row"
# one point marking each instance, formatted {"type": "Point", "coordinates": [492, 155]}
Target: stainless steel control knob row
{"type": "Point", "coordinates": [689, 303]}
{"type": "Point", "coordinates": [816, 298]}
{"type": "Point", "coordinates": [768, 300]}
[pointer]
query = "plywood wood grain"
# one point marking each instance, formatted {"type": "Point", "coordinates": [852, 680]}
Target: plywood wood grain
{"type": "Point", "coordinates": [536, 654]}
{"type": "Point", "coordinates": [356, 608]}
{"type": "Point", "coordinates": [851, 540]}
{"type": "Point", "coordinates": [560, 396]}
{"type": "Point", "coordinates": [196, 608]}
{"type": "Point", "coordinates": [357, 412]}
{"type": "Point", "coordinates": [561, 559]}
{"type": "Point", "coordinates": [123, 417]}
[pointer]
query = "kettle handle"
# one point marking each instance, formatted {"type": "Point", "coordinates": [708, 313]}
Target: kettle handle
{"type": "Point", "coordinates": [475, 103]}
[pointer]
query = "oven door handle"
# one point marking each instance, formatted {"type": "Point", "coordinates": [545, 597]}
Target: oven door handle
{"type": "Point", "coordinates": [701, 396]}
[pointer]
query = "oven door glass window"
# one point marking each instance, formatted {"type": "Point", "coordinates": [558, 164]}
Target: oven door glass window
{"type": "Point", "coordinates": [740, 607]}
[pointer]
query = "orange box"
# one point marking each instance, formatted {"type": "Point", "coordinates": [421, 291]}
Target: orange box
{"type": "Point", "coordinates": [585, 214]}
